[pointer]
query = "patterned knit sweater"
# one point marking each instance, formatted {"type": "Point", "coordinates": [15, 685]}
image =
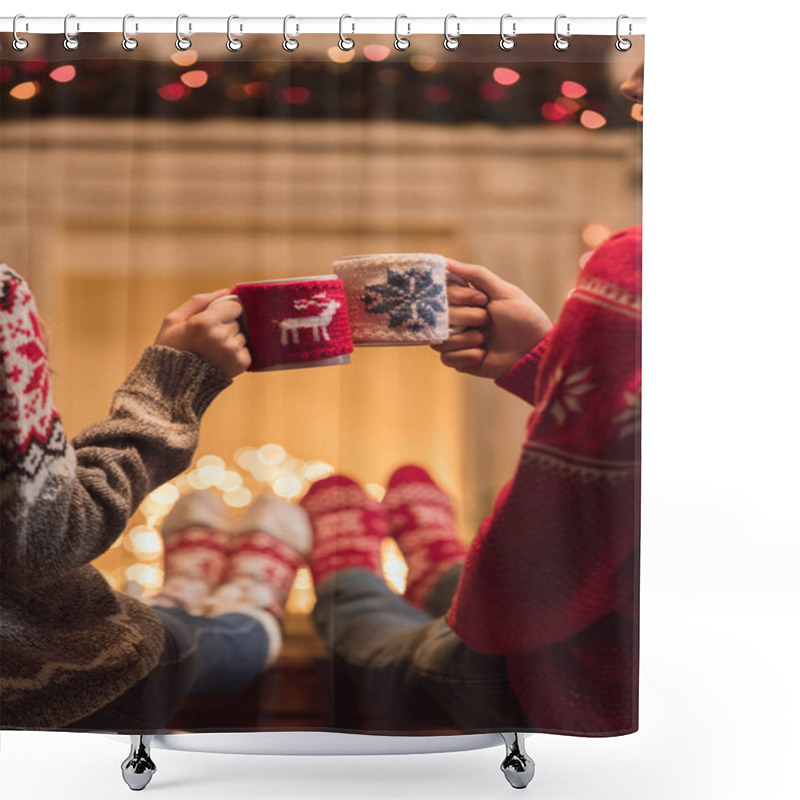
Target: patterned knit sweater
{"type": "Point", "coordinates": [68, 643]}
{"type": "Point", "coordinates": [551, 581]}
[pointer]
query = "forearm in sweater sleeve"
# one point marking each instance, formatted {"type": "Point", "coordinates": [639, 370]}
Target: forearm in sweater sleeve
{"type": "Point", "coordinates": [521, 378]}
{"type": "Point", "coordinates": [149, 437]}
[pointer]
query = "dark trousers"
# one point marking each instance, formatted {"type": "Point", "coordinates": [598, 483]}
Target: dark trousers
{"type": "Point", "coordinates": [409, 663]}
{"type": "Point", "coordinates": [201, 654]}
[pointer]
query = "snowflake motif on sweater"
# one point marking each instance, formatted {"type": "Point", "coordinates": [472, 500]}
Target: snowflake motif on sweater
{"type": "Point", "coordinates": [411, 298]}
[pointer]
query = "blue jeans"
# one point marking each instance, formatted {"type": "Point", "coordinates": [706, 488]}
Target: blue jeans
{"type": "Point", "coordinates": [409, 664]}
{"type": "Point", "coordinates": [201, 654]}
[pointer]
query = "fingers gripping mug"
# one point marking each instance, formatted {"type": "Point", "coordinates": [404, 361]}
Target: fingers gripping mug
{"type": "Point", "coordinates": [294, 323]}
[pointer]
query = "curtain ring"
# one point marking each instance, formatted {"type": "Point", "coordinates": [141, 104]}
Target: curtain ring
{"type": "Point", "coordinates": [451, 42]}
{"type": "Point", "coordinates": [128, 42]}
{"type": "Point", "coordinates": [561, 43]}
{"type": "Point", "coordinates": [345, 43]}
{"type": "Point", "coordinates": [70, 42]}
{"type": "Point", "coordinates": [623, 45]}
{"type": "Point", "coordinates": [290, 44]}
{"type": "Point", "coordinates": [400, 42]}
{"type": "Point", "coordinates": [233, 44]}
{"type": "Point", "coordinates": [18, 43]}
{"type": "Point", "coordinates": [182, 43]}
{"type": "Point", "coordinates": [507, 41]}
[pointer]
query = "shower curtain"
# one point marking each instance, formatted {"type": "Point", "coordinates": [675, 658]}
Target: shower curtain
{"type": "Point", "coordinates": [435, 535]}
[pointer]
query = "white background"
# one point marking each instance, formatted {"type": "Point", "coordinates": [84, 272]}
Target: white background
{"type": "Point", "coordinates": [720, 700]}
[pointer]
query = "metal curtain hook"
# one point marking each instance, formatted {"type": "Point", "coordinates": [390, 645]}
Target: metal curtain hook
{"type": "Point", "coordinates": [507, 42]}
{"type": "Point", "coordinates": [70, 42]}
{"type": "Point", "coordinates": [400, 42]}
{"type": "Point", "coordinates": [18, 43]}
{"type": "Point", "coordinates": [345, 43]}
{"type": "Point", "coordinates": [623, 45]}
{"type": "Point", "coordinates": [182, 43]}
{"type": "Point", "coordinates": [451, 42]}
{"type": "Point", "coordinates": [128, 42]}
{"type": "Point", "coordinates": [290, 44]}
{"type": "Point", "coordinates": [233, 44]}
{"type": "Point", "coordinates": [561, 43]}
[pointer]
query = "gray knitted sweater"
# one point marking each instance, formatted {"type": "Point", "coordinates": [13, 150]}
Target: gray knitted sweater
{"type": "Point", "coordinates": [69, 644]}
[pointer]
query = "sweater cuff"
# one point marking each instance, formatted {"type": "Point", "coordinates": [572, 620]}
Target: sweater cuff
{"type": "Point", "coordinates": [166, 376]}
{"type": "Point", "coordinates": [520, 379]}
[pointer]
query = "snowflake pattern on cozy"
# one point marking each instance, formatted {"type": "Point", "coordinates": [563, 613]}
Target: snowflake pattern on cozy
{"type": "Point", "coordinates": [411, 298]}
{"type": "Point", "coordinates": [30, 428]}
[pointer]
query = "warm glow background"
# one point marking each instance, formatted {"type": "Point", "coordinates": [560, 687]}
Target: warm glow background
{"type": "Point", "coordinates": [117, 221]}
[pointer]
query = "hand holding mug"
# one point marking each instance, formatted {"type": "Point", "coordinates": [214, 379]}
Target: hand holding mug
{"type": "Point", "coordinates": [208, 326]}
{"type": "Point", "coordinates": [501, 323]}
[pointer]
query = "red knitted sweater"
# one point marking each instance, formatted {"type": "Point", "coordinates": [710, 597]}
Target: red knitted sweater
{"type": "Point", "coordinates": [551, 580]}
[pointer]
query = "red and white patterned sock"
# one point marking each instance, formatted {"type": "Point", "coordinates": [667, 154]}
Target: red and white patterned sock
{"type": "Point", "coordinates": [422, 524]}
{"type": "Point", "coordinates": [349, 527]}
{"type": "Point", "coordinates": [269, 542]}
{"type": "Point", "coordinates": [195, 551]}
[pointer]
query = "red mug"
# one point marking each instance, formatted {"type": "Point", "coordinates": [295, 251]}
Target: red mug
{"type": "Point", "coordinates": [293, 323]}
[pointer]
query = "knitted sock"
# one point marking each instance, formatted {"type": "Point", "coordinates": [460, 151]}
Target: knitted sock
{"type": "Point", "coordinates": [269, 543]}
{"type": "Point", "coordinates": [195, 551]}
{"type": "Point", "coordinates": [348, 527]}
{"type": "Point", "coordinates": [422, 524]}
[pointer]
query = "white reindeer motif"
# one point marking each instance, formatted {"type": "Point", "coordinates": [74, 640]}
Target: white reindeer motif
{"type": "Point", "coordinates": [318, 324]}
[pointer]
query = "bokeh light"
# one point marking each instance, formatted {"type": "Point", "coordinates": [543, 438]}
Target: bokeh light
{"type": "Point", "coordinates": [492, 92]}
{"type": "Point", "coordinates": [505, 76]}
{"type": "Point", "coordinates": [376, 52]}
{"type": "Point", "coordinates": [145, 575]}
{"type": "Point", "coordinates": [395, 569]}
{"type": "Point", "coordinates": [238, 498]}
{"type": "Point", "coordinates": [165, 495]}
{"type": "Point", "coordinates": [195, 78]}
{"type": "Point", "coordinates": [174, 91]}
{"type": "Point", "coordinates": [256, 89]}
{"type": "Point", "coordinates": [26, 90]}
{"type": "Point", "coordinates": [573, 90]}
{"type": "Point", "coordinates": [339, 56]}
{"type": "Point", "coordinates": [317, 470]}
{"type": "Point", "coordinates": [423, 63]}
{"type": "Point", "coordinates": [296, 95]}
{"type": "Point", "coordinates": [185, 58]}
{"type": "Point", "coordinates": [287, 486]}
{"type": "Point", "coordinates": [594, 234]}
{"type": "Point", "coordinates": [437, 94]}
{"type": "Point", "coordinates": [592, 119]}
{"type": "Point", "coordinates": [64, 74]}
{"type": "Point", "coordinates": [555, 113]}
{"type": "Point", "coordinates": [271, 454]}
